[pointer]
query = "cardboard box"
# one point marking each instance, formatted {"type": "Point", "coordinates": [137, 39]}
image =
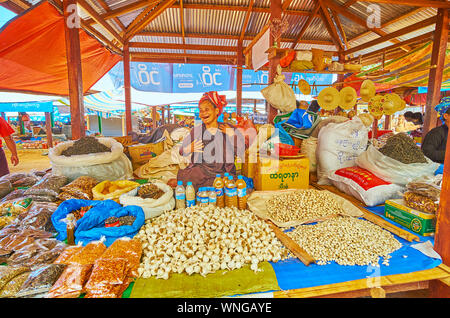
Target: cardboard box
{"type": "Point", "coordinates": [273, 174]}
{"type": "Point", "coordinates": [419, 222]}
{"type": "Point", "coordinates": [143, 152]}
{"type": "Point", "coordinates": [249, 167]}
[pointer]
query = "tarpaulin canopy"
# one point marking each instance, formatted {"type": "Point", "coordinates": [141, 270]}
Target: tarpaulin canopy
{"type": "Point", "coordinates": [408, 70]}
{"type": "Point", "coordinates": [33, 54]}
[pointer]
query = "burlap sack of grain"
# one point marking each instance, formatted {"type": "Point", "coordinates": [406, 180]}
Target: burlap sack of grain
{"type": "Point", "coordinates": [256, 203]}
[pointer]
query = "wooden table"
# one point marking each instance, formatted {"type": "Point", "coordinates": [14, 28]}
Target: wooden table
{"type": "Point", "coordinates": [364, 287]}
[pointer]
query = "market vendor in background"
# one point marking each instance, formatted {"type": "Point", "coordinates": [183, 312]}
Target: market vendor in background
{"type": "Point", "coordinates": [211, 144]}
{"type": "Point", "coordinates": [435, 141]}
{"type": "Point", "coordinates": [5, 132]}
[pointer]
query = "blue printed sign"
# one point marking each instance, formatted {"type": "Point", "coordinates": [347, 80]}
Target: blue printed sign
{"type": "Point", "coordinates": [251, 77]}
{"type": "Point", "coordinates": [27, 107]}
{"type": "Point", "coordinates": [199, 78]}
{"type": "Point", "coordinates": [313, 78]}
{"type": "Point", "coordinates": [151, 77]}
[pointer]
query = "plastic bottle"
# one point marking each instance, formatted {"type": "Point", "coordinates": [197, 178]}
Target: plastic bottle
{"type": "Point", "coordinates": [241, 193]}
{"type": "Point", "coordinates": [202, 197]}
{"type": "Point", "coordinates": [231, 199]}
{"type": "Point", "coordinates": [219, 188]}
{"type": "Point", "coordinates": [212, 196]}
{"type": "Point", "coordinates": [226, 176]}
{"type": "Point", "coordinates": [190, 194]}
{"type": "Point", "coordinates": [70, 228]}
{"type": "Point", "coordinates": [180, 196]}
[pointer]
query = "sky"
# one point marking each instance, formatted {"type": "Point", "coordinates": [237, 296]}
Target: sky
{"type": "Point", "coordinates": [5, 16]}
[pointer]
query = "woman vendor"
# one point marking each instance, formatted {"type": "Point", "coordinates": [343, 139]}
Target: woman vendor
{"type": "Point", "coordinates": [213, 145]}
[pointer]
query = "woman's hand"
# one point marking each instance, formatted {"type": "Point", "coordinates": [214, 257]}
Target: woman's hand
{"type": "Point", "coordinates": [195, 146]}
{"type": "Point", "coordinates": [227, 130]}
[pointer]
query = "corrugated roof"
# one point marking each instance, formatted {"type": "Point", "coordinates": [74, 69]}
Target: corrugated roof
{"type": "Point", "coordinates": [229, 23]}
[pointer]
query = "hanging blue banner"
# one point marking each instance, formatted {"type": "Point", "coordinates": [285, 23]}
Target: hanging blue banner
{"type": "Point", "coordinates": [151, 77]}
{"type": "Point", "coordinates": [313, 78]}
{"type": "Point", "coordinates": [148, 77]}
{"type": "Point", "coordinates": [250, 79]}
{"type": "Point", "coordinates": [27, 107]}
{"type": "Point", "coordinates": [199, 78]}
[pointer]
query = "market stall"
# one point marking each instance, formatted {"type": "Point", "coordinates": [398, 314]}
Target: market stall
{"type": "Point", "coordinates": [321, 204]}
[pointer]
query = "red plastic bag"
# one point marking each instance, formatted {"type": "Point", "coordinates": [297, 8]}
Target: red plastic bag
{"type": "Point", "coordinates": [247, 129]}
{"type": "Point", "coordinates": [287, 60]}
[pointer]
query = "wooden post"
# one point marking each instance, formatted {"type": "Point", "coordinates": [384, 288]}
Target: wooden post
{"type": "Point", "coordinates": [276, 11]}
{"type": "Point", "coordinates": [375, 128]}
{"type": "Point", "coordinates": [435, 75]}
{"type": "Point", "coordinates": [340, 79]}
{"type": "Point", "coordinates": [75, 78]}
{"type": "Point", "coordinates": [127, 87]}
{"type": "Point", "coordinates": [387, 122]}
{"type": "Point", "coordinates": [168, 114]}
{"type": "Point", "coordinates": [254, 107]}
{"type": "Point", "coordinates": [442, 234]}
{"type": "Point", "coordinates": [239, 71]}
{"type": "Point", "coordinates": [154, 117]}
{"type": "Point", "coordinates": [48, 129]}
{"type": "Point", "coordinates": [163, 119]}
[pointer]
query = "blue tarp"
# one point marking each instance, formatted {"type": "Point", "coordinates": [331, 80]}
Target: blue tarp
{"type": "Point", "coordinates": [293, 274]}
{"type": "Point", "coordinates": [27, 107]}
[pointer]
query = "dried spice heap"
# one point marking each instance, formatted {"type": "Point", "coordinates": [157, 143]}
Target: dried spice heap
{"type": "Point", "coordinates": [85, 145]}
{"type": "Point", "coordinates": [402, 148]}
{"type": "Point", "coordinates": [150, 191]}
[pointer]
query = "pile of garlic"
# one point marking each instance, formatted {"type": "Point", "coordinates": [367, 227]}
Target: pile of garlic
{"type": "Point", "coordinates": [204, 240]}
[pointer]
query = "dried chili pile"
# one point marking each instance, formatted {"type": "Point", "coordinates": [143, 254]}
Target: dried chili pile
{"type": "Point", "coordinates": [150, 191]}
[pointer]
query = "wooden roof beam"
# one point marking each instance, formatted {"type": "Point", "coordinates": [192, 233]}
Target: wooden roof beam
{"type": "Point", "coordinates": [182, 25]}
{"type": "Point", "coordinates": [353, 17]}
{"type": "Point", "coordinates": [108, 28]}
{"type": "Point", "coordinates": [416, 3]}
{"type": "Point", "coordinates": [168, 56]}
{"type": "Point", "coordinates": [306, 25]}
{"type": "Point", "coordinates": [330, 25]}
{"type": "Point", "coordinates": [227, 37]}
{"type": "Point", "coordinates": [421, 38]}
{"type": "Point", "coordinates": [339, 26]}
{"type": "Point", "coordinates": [393, 35]}
{"type": "Point", "coordinates": [247, 18]}
{"type": "Point", "coordinates": [155, 12]}
{"type": "Point", "coordinates": [144, 3]}
{"type": "Point", "coordinates": [174, 46]}
{"type": "Point", "coordinates": [349, 3]}
{"type": "Point", "coordinates": [388, 23]}
{"type": "Point", "coordinates": [106, 7]}
{"type": "Point", "coordinates": [284, 7]}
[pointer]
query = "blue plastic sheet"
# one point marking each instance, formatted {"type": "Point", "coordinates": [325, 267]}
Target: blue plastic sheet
{"type": "Point", "coordinates": [440, 170]}
{"type": "Point", "coordinates": [293, 274]}
{"type": "Point", "coordinates": [300, 119]}
{"type": "Point", "coordinates": [285, 138]}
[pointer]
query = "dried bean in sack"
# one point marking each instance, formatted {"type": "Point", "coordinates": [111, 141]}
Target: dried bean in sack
{"type": "Point", "coordinates": [41, 280]}
{"type": "Point", "coordinates": [70, 283]}
{"type": "Point", "coordinates": [14, 285]}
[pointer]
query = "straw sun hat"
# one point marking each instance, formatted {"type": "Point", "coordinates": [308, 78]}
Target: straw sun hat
{"type": "Point", "coordinates": [304, 87]}
{"type": "Point", "coordinates": [375, 106]}
{"type": "Point", "coordinates": [391, 103]}
{"type": "Point", "coordinates": [367, 90]}
{"type": "Point", "coordinates": [328, 98]}
{"type": "Point", "coordinates": [347, 98]}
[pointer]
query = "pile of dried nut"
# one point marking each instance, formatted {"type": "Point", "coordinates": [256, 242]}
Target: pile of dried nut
{"type": "Point", "coordinates": [346, 240]}
{"type": "Point", "coordinates": [204, 240]}
{"type": "Point", "coordinates": [302, 206]}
